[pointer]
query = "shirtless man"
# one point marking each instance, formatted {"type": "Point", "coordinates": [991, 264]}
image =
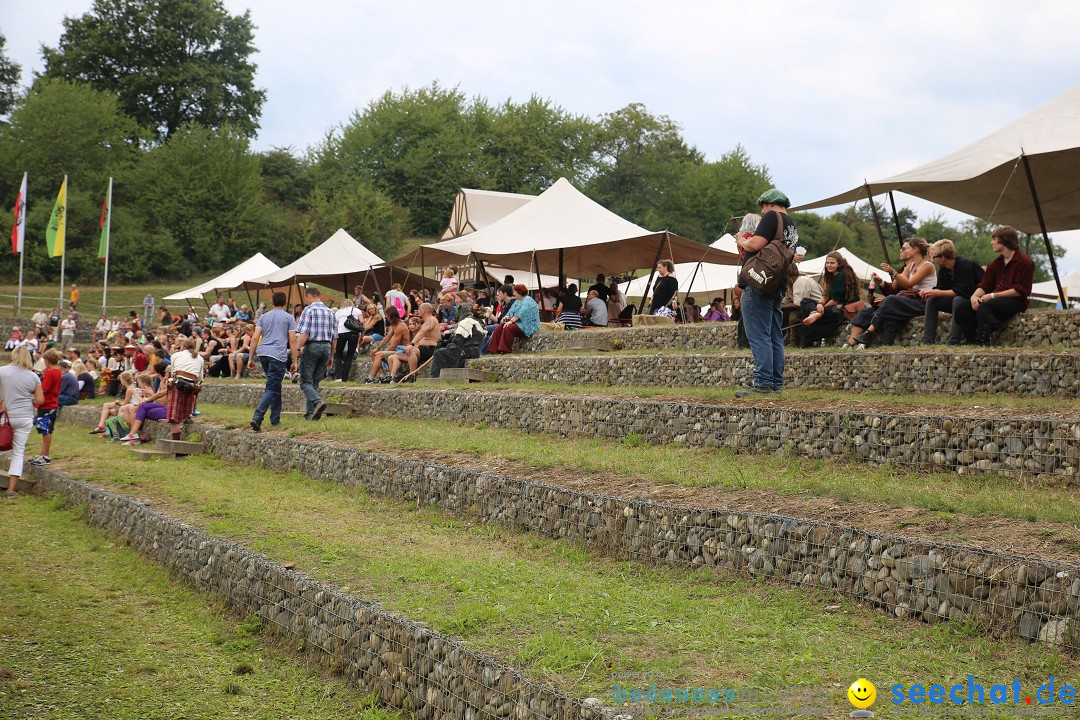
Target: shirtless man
{"type": "Point", "coordinates": [422, 347]}
{"type": "Point", "coordinates": [397, 336]}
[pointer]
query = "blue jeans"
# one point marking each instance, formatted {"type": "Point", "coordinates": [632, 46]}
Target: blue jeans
{"type": "Point", "coordinates": [313, 362]}
{"type": "Point", "coordinates": [764, 321]}
{"type": "Point", "coordinates": [487, 338]}
{"type": "Point", "coordinates": [271, 397]}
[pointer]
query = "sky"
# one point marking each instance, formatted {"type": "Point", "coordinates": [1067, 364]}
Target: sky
{"type": "Point", "coordinates": [825, 94]}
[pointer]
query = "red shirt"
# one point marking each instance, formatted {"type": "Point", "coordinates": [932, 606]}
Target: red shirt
{"type": "Point", "coordinates": [1017, 275]}
{"type": "Point", "coordinates": [50, 388]}
{"type": "Point", "coordinates": [141, 361]}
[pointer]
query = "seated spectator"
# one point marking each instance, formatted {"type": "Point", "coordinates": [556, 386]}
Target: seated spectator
{"type": "Point", "coordinates": [15, 340]}
{"type": "Point", "coordinates": [689, 312]}
{"type": "Point", "coordinates": [463, 345]}
{"type": "Point", "coordinates": [503, 297]}
{"type": "Point", "coordinates": [144, 388]}
{"type": "Point", "coordinates": [396, 339]}
{"type": "Point", "coordinates": [616, 301]}
{"type": "Point", "coordinates": [823, 313]}
{"type": "Point", "coordinates": [149, 409]}
{"type": "Point", "coordinates": [420, 349]}
{"type": "Point", "coordinates": [896, 309]}
{"type": "Point", "coordinates": [1003, 292]}
{"type": "Point", "coordinates": [568, 311]}
{"type": "Point", "coordinates": [40, 321]}
{"type": "Point", "coordinates": [957, 279]}
{"type": "Point", "coordinates": [595, 312]}
{"type": "Point", "coordinates": [88, 377]}
{"type": "Point", "coordinates": [238, 358]}
{"type": "Point", "coordinates": [449, 282]}
{"type": "Point", "coordinates": [127, 383]}
{"type": "Point", "coordinates": [447, 310]}
{"type": "Point", "coordinates": [102, 328]}
{"type": "Point", "coordinates": [521, 320]}
{"type": "Point", "coordinates": [69, 385]}
{"type": "Point", "coordinates": [717, 311]}
{"type": "Point", "coordinates": [243, 315]}
{"type": "Point", "coordinates": [374, 325]}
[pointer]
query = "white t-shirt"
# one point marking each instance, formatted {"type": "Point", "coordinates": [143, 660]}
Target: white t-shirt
{"type": "Point", "coordinates": [220, 312]}
{"type": "Point", "coordinates": [341, 314]}
{"type": "Point", "coordinates": [103, 325]}
{"type": "Point", "coordinates": [67, 325]}
{"type": "Point", "coordinates": [17, 387]}
{"type": "Point", "coordinates": [183, 362]}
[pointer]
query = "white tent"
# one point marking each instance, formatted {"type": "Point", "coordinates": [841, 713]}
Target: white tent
{"type": "Point", "coordinates": [708, 279]}
{"type": "Point", "coordinates": [726, 242]}
{"type": "Point", "coordinates": [863, 269]}
{"type": "Point", "coordinates": [1047, 290]}
{"type": "Point", "coordinates": [563, 230]}
{"type": "Point", "coordinates": [476, 209]}
{"type": "Point", "coordinates": [338, 255]}
{"type": "Point", "coordinates": [988, 178]}
{"type": "Point", "coordinates": [255, 266]}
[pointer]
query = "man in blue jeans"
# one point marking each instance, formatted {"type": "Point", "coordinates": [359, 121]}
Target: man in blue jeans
{"type": "Point", "coordinates": [761, 314]}
{"type": "Point", "coordinates": [316, 336]}
{"type": "Point", "coordinates": [277, 331]}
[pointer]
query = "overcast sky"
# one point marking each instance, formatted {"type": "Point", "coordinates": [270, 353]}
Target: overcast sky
{"type": "Point", "coordinates": [826, 94]}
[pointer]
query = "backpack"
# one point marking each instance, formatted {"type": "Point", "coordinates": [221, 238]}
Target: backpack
{"type": "Point", "coordinates": [116, 428]}
{"type": "Point", "coordinates": [399, 304]}
{"type": "Point", "coordinates": [766, 271]}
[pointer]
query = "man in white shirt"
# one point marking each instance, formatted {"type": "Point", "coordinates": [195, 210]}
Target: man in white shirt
{"type": "Point", "coordinates": [101, 330]}
{"type": "Point", "coordinates": [219, 312]}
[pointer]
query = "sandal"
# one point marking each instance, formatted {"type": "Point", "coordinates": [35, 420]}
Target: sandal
{"type": "Point", "coordinates": [98, 430]}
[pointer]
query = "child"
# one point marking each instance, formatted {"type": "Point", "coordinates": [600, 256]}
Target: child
{"type": "Point", "coordinates": [45, 420]}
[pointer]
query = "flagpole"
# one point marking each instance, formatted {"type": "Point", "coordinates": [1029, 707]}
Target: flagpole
{"type": "Point", "coordinates": [21, 217]}
{"type": "Point", "coordinates": [22, 254]}
{"type": "Point", "coordinates": [108, 225]}
{"type": "Point", "coordinates": [63, 255]}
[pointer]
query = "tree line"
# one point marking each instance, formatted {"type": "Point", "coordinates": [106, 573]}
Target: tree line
{"type": "Point", "coordinates": [161, 97]}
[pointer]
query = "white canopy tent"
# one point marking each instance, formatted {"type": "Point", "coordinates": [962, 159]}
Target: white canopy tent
{"type": "Point", "coordinates": [816, 266]}
{"type": "Point", "coordinates": [693, 280]}
{"type": "Point", "coordinates": [726, 242]}
{"type": "Point", "coordinates": [563, 230]}
{"type": "Point", "coordinates": [1047, 290]}
{"type": "Point", "coordinates": [1024, 175]}
{"type": "Point", "coordinates": [255, 266]}
{"type": "Point", "coordinates": [476, 209]}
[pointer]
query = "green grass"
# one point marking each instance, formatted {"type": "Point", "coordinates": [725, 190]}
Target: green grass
{"type": "Point", "coordinates": [639, 461]}
{"type": "Point", "coordinates": [548, 606]}
{"type": "Point", "coordinates": [122, 298]}
{"type": "Point", "coordinates": [89, 629]}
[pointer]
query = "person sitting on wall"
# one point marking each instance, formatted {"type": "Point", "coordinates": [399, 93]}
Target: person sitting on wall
{"type": "Point", "coordinates": [957, 279]}
{"type": "Point", "coordinates": [1003, 292]}
{"type": "Point", "coordinates": [717, 311]}
{"type": "Point", "coordinates": [521, 320]}
{"type": "Point", "coordinates": [568, 311]}
{"type": "Point", "coordinates": [419, 349]}
{"type": "Point", "coordinates": [895, 310]}
{"type": "Point", "coordinates": [595, 311]}
{"type": "Point", "coordinates": [396, 339]}
{"type": "Point", "coordinates": [823, 318]}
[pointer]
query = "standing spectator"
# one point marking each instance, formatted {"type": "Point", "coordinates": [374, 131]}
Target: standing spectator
{"type": "Point", "coordinates": [957, 278]}
{"type": "Point", "coordinates": [664, 290]}
{"type": "Point", "coordinates": [54, 324]}
{"type": "Point", "coordinates": [761, 313]}
{"type": "Point", "coordinates": [399, 300]}
{"type": "Point", "coordinates": [347, 339]}
{"type": "Point", "coordinates": [48, 408]}
{"type": "Point", "coordinates": [601, 288]}
{"type": "Point", "coordinates": [186, 372]}
{"type": "Point", "coordinates": [148, 307]}
{"type": "Point", "coordinates": [67, 330]}
{"type": "Point", "coordinates": [316, 336]}
{"type": "Point", "coordinates": [274, 342]}
{"type": "Point", "coordinates": [73, 305]}
{"type": "Point", "coordinates": [40, 320]}
{"type": "Point", "coordinates": [20, 391]}
{"type": "Point", "coordinates": [521, 320]}
{"type": "Point", "coordinates": [1003, 292]}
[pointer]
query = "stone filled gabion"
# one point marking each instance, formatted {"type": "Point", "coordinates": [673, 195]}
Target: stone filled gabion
{"type": "Point", "coordinates": [1039, 448]}
{"type": "Point", "coordinates": [905, 578]}
{"type": "Point", "coordinates": [407, 664]}
{"type": "Point", "coordinates": [1022, 372]}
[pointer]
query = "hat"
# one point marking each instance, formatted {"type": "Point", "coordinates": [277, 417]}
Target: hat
{"type": "Point", "coordinates": [772, 196]}
{"type": "Point", "coordinates": [65, 363]}
{"type": "Point", "coordinates": [130, 347]}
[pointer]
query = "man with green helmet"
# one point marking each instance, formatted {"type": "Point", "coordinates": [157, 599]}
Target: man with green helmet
{"type": "Point", "coordinates": [761, 314]}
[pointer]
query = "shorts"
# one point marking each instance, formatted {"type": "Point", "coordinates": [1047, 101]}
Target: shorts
{"type": "Point", "coordinates": [45, 421]}
{"type": "Point", "coordinates": [426, 351]}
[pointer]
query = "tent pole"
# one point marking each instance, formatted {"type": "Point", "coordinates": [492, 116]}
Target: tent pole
{"type": "Point", "coordinates": [562, 275]}
{"type": "Point", "coordinates": [692, 279]}
{"type": "Point", "coordinates": [481, 278]}
{"type": "Point", "coordinates": [877, 223]}
{"type": "Point", "coordinates": [896, 220]}
{"type": "Point", "coordinates": [300, 293]}
{"type": "Point", "coordinates": [423, 268]}
{"type": "Point", "coordinates": [375, 277]}
{"type": "Point", "coordinates": [251, 303]}
{"type": "Point", "coordinates": [539, 283]}
{"type": "Point", "coordinates": [652, 274]}
{"type": "Point", "coordinates": [1042, 226]}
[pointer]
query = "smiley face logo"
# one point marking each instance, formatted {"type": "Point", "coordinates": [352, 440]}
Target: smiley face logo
{"type": "Point", "coordinates": [862, 693]}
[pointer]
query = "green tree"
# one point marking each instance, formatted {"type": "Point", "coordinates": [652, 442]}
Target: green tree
{"type": "Point", "coordinates": [61, 128]}
{"type": "Point", "coordinates": [10, 72]}
{"type": "Point", "coordinates": [170, 62]}
{"type": "Point", "coordinates": [708, 195]}
{"type": "Point", "coordinates": [203, 189]}
{"type": "Point", "coordinates": [642, 158]}
{"type": "Point", "coordinates": [369, 215]}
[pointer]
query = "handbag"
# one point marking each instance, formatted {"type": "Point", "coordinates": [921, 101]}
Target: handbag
{"type": "Point", "coordinates": [7, 433]}
{"type": "Point", "coordinates": [185, 385]}
{"type": "Point", "coordinates": [766, 270]}
{"type": "Point", "coordinates": [352, 324]}
{"type": "Point", "coordinates": [851, 309]}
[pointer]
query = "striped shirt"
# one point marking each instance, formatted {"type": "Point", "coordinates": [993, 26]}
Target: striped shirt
{"type": "Point", "coordinates": [318, 323]}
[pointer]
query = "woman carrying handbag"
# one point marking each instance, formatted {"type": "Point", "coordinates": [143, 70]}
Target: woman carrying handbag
{"type": "Point", "coordinates": [20, 391]}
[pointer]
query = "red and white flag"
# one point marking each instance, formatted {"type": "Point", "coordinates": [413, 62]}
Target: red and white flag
{"type": "Point", "coordinates": [18, 230]}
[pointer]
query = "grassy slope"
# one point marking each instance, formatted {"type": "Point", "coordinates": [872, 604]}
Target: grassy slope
{"type": "Point", "coordinates": [89, 629]}
{"type": "Point", "coordinates": [549, 607]}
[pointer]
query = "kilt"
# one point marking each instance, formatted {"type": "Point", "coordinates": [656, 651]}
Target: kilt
{"type": "Point", "coordinates": [180, 406]}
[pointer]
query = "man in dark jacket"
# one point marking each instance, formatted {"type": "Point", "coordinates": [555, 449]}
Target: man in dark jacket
{"type": "Point", "coordinates": [957, 278]}
{"type": "Point", "coordinates": [1003, 292]}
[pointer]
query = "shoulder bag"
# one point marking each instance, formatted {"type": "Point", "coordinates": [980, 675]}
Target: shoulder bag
{"type": "Point", "coordinates": [766, 270]}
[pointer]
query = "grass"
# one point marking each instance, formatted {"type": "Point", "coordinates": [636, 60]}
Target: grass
{"type": "Point", "coordinates": [89, 629]}
{"type": "Point", "coordinates": [549, 607]}
{"type": "Point", "coordinates": [122, 298]}
{"type": "Point", "coordinates": [636, 460]}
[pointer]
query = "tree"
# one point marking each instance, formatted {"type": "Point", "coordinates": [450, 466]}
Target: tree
{"type": "Point", "coordinates": [170, 62]}
{"type": "Point", "coordinates": [708, 195]}
{"type": "Point", "coordinates": [10, 72]}
{"type": "Point", "coordinates": [642, 158]}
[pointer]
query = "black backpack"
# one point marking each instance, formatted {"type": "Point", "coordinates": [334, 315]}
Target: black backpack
{"type": "Point", "coordinates": [766, 271]}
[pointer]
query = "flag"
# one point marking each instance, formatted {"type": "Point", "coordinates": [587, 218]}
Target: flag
{"type": "Point", "coordinates": [18, 229]}
{"type": "Point", "coordinates": [57, 230]}
{"type": "Point", "coordinates": [106, 211]}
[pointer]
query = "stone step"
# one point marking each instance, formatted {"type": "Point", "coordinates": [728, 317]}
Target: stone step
{"type": "Point", "coordinates": [181, 447]}
{"type": "Point", "coordinates": [143, 453]}
{"type": "Point", "coordinates": [339, 409]}
{"type": "Point", "coordinates": [958, 372]}
{"type": "Point", "coordinates": [465, 375]}
{"type": "Point", "coordinates": [26, 484]}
